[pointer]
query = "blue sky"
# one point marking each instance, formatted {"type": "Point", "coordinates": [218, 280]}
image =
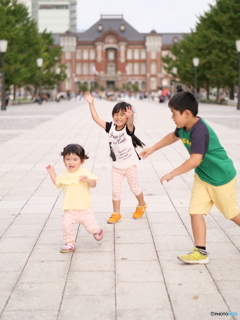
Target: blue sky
{"type": "Point", "coordinates": [144, 16]}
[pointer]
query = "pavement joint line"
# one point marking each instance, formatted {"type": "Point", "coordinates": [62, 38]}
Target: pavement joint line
{"type": "Point", "coordinates": [164, 278]}
{"type": "Point", "coordinates": [66, 280]}
{"type": "Point", "coordinates": [1, 312]}
{"type": "Point", "coordinates": [224, 231]}
{"type": "Point", "coordinates": [115, 270]}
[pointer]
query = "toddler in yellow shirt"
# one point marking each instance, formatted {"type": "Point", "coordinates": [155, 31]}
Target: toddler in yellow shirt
{"type": "Point", "coordinates": [76, 183]}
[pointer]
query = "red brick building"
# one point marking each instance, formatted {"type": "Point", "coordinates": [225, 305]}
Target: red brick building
{"type": "Point", "coordinates": [113, 53]}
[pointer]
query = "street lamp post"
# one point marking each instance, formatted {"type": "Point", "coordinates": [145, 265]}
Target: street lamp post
{"type": "Point", "coordinates": [196, 64]}
{"type": "Point", "coordinates": [238, 49]}
{"type": "Point", "coordinates": [58, 71]}
{"type": "Point", "coordinates": [76, 87]}
{"type": "Point", "coordinates": [175, 70]}
{"type": "Point", "coordinates": [39, 64]}
{"type": "Point", "coordinates": [3, 49]}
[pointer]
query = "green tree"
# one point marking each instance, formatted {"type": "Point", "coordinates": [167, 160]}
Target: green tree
{"type": "Point", "coordinates": [217, 33]}
{"type": "Point", "coordinates": [25, 45]}
{"type": "Point", "coordinates": [83, 87]}
{"type": "Point", "coordinates": [182, 55]}
{"type": "Point", "coordinates": [23, 41]}
{"type": "Point", "coordinates": [127, 86]}
{"type": "Point", "coordinates": [135, 87]}
{"type": "Point", "coordinates": [51, 55]}
{"type": "Point", "coordinates": [94, 86]}
{"type": "Point", "coordinates": [213, 42]}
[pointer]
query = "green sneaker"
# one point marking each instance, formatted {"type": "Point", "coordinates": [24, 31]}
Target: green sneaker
{"type": "Point", "coordinates": [195, 257]}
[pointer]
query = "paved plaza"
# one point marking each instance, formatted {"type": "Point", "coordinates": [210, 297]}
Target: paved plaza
{"type": "Point", "coordinates": [133, 273]}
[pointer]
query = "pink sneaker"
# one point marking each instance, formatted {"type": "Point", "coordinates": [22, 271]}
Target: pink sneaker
{"type": "Point", "coordinates": [98, 236]}
{"type": "Point", "coordinates": [68, 247]}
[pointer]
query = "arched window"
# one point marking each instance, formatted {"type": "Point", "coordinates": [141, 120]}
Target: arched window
{"type": "Point", "coordinates": [143, 86]}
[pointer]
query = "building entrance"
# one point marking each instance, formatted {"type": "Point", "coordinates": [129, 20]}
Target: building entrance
{"type": "Point", "coordinates": [110, 85]}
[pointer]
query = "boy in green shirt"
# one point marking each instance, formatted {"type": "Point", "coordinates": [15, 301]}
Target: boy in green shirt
{"type": "Point", "coordinates": [215, 175]}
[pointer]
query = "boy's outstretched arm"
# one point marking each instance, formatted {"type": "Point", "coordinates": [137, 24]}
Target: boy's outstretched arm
{"type": "Point", "coordinates": [193, 162]}
{"type": "Point", "coordinates": [167, 140]}
{"type": "Point", "coordinates": [90, 99]}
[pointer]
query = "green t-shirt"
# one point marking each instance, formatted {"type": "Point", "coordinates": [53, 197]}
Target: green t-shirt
{"type": "Point", "coordinates": [216, 167]}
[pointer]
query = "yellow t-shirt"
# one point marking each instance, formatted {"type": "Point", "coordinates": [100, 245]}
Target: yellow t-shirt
{"type": "Point", "coordinates": [77, 194]}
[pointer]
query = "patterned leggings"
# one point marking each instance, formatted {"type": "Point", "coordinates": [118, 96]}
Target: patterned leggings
{"type": "Point", "coordinates": [118, 175]}
{"type": "Point", "coordinates": [84, 217]}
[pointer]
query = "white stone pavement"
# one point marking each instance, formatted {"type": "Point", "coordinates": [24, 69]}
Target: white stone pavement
{"type": "Point", "coordinates": [133, 273]}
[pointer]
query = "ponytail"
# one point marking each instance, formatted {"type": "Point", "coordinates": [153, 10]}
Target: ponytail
{"type": "Point", "coordinates": [137, 142]}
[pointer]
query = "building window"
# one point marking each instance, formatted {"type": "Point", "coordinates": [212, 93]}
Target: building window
{"type": "Point", "coordinates": [53, 6]}
{"type": "Point", "coordinates": [111, 39]}
{"type": "Point", "coordinates": [153, 83]}
{"type": "Point", "coordinates": [143, 54]}
{"type": "Point", "coordinates": [85, 54]}
{"type": "Point", "coordinates": [67, 55]}
{"type": "Point", "coordinates": [136, 68]}
{"type": "Point", "coordinates": [136, 54]}
{"type": "Point", "coordinates": [100, 27]}
{"type": "Point", "coordinates": [143, 68]}
{"type": "Point", "coordinates": [165, 82]}
{"type": "Point", "coordinates": [143, 86]}
{"type": "Point", "coordinates": [111, 54]}
{"type": "Point", "coordinates": [78, 54]}
{"type": "Point", "coordinates": [99, 53]}
{"type": "Point", "coordinates": [153, 68]}
{"type": "Point", "coordinates": [111, 68]}
{"type": "Point", "coordinates": [175, 40]}
{"type": "Point", "coordinates": [85, 68]}
{"type": "Point", "coordinates": [79, 68]}
{"type": "Point", "coordinates": [153, 54]}
{"type": "Point", "coordinates": [67, 84]}
{"type": "Point", "coordinates": [122, 27]}
{"type": "Point", "coordinates": [129, 68]}
{"type": "Point", "coordinates": [129, 54]}
{"type": "Point", "coordinates": [92, 68]}
{"type": "Point", "coordinates": [92, 54]}
{"type": "Point", "coordinates": [69, 69]}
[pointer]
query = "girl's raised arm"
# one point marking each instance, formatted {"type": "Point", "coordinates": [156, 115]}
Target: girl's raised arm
{"type": "Point", "coordinates": [90, 99]}
{"type": "Point", "coordinates": [129, 114]}
{"type": "Point", "coordinates": [51, 172]}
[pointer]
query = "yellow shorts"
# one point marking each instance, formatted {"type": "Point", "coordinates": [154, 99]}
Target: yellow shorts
{"type": "Point", "coordinates": [205, 195]}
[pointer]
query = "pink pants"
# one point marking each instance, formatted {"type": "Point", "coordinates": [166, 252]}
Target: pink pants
{"type": "Point", "coordinates": [84, 217]}
{"type": "Point", "coordinates": [118, 175]}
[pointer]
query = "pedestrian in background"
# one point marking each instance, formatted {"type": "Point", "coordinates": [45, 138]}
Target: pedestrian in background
{"type": "Point", "coordinates": [179, 88]}
{"type": "Point", "coordinates": [165, 94]}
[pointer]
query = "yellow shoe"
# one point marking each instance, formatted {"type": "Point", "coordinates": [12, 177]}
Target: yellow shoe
{"type": "Point", "coordinates": [195, 257]}
{"type": "Point", "coordinates": [139, 212]}
{"type": "Point", "coordinates": [115, 217]}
